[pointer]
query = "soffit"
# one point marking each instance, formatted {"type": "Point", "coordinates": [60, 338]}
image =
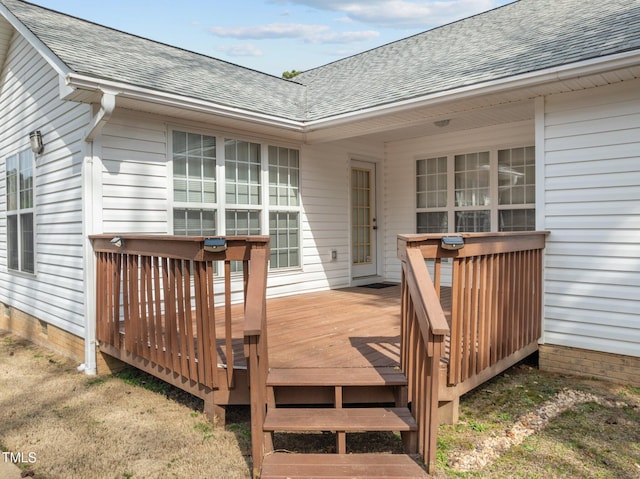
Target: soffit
{"type": "Point", "coordinates": [476, 112]}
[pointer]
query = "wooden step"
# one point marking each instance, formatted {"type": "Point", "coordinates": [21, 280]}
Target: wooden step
{"type": "Point", "coordinates": [336, 377]}
{"type": "Point", "coordinates": [347, 419]}
{"type": "Point", "coordinates": [339, 466]}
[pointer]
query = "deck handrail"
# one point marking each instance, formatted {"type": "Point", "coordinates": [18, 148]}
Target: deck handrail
{"type": "Point", "coordinates": [496, 290]}
{"type": "Point", "coordinates": [156, 302]}
{"type": "Point", "coordinates": [423, 327]}
{"type": "Point", "coordinates": [256, 352]}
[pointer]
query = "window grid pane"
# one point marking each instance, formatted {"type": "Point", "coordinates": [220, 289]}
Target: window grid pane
{"type": "Point", "coordinates": [283, 177]}
{"type": "Point", "coordinates": [20, 203]}
{"type": "Point", "coordinates": [194, 222]}
{"type": "Point", "coordinates": [241, 223]}
{"type": "Point", "coordinates": [517, 220]}
{"type": "Point", "coordinates": [194, 168]}
{"type": "Point", "coordinates": [242, 172]}
{"type": "Point", "coordinates": [516, 176]}
{"type": "Point", "coordinates": [433, 222]}
{"type": "Point", "coordinates": [472, 179]}
{"type": "Point", "coordinates": [285, 240]}
{"type": "Point", "coordinates": [431, 183]}
{"type": "Point", "coordinates": [473, 221]}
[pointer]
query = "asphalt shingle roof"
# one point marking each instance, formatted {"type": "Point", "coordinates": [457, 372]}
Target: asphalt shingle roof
{"type": "Point", "coordinates": [521, 37]}
{"type": "Point", "coordinates": [105, 53]}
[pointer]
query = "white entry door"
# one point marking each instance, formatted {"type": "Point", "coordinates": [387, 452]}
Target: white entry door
{"type": "Point", "coordinates": [363, 219]}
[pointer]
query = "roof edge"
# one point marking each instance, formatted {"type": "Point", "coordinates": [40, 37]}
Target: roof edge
{"type": "Point", "coordinates": [56, 63]}
{"type": "Point", "coordinates": [76, 81]}
{"type": "Point", "coordinates": [524, 80]}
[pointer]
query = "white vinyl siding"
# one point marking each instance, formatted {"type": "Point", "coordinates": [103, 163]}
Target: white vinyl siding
{"type": "Point", "coordinates": [133, 192]}
{"type": "Point", "coordinates": [29, 100]}
{"type": "Point", "coordinates": [592, 208]}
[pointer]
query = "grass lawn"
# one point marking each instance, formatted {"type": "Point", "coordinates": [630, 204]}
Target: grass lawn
{"type": "Point", "coordinates": [133, 426]}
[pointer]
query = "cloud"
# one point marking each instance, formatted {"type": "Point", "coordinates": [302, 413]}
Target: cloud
{"type": "Point", "coordinates": [272, 30]}
{"type": "Point", "coordinates": [305, 32]}
{"type": "Point", "coordinates": [402, 13]}
{"type": "Point", "coordinates": [241, 50]}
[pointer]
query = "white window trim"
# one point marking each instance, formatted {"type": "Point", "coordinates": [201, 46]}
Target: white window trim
{"type": "Point", "coordinates": [19, 212]}
{"type": "Point", "coordinates": [494, 207]}
{"type": "Point", "coordinates": [221, 205]}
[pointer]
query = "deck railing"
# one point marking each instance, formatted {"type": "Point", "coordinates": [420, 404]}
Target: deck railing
{"type": "Point", "coordinates": [165, 302]}
{"type": "Point", "coordinates": [423, 327]}
{"type": "Point", "coordinates": [496, 291]}
{"type": "Point", "coordinates": [256, 353]}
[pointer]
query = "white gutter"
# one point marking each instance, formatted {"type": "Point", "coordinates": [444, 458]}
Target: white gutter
{"type": "Point", "coordinates": [532, 79]}
{"type": "Point", "coordinates": [83, 82]}
{"type": "Point", "coordinates": [100, 119]}
{"type": "Point", "coordinates": [525, 80]}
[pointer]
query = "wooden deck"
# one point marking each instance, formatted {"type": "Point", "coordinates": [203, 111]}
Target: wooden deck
{"type": "Point", "coordinates": [420, 345]}
{"type": "Point", "coordinates": [351, 328]}
{"type": "Point", "coordinates": [355, 327]}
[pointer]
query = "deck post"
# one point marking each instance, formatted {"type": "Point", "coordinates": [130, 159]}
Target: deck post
{"type": "Point", "coordinates": [449, 411]}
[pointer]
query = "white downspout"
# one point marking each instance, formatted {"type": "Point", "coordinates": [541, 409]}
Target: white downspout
{"type": "Point", "coordinates": [98, 121]}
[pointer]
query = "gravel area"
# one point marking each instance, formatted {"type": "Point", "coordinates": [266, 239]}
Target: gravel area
{"type": "Point", "coordinates": [493, 447]}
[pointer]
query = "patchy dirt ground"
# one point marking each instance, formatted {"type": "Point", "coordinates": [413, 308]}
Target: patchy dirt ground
{"type": "Point", "coordinates": [67, 424]}
{"type": "Point", "coordinates": [524, 423]}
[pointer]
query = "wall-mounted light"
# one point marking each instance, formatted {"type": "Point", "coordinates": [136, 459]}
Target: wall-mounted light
{"type": "Point", "coordinates": [117, 242]}
{"type": "Point", "coordinates": [35, 138]}
{"type": "Point", "coordinates": [441, 123]}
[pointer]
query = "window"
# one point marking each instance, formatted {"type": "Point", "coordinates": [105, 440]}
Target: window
{"type": "Point", "coordinates": [259, 193]}
{"type": "Point", "coordinates": [480, 191]}
{"type": "Point", "coordinates": [20, 208]}
{"type": "Point", "coordinates": [194, 184]}
{"type": "Point", "coordinates": [284, 206]}
{"type": "Point", "coordinates": [472, 194]}
{"type": "Point", "coordinates": [516, 189]}
{"type": "Point", "coordinates": [431, 187]}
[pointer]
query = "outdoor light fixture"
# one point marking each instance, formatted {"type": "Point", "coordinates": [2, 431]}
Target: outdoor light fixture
{"type": "Point", "coordinates": [35, 138]}
{"type": "Point", "coordinates": [441, 123]}
{"type": "Point", "coordinates": [117, 242]}
{"type": "Point", "coordinates": [452, 243]}
{"type": "Point", "coordinates": [215, 245]}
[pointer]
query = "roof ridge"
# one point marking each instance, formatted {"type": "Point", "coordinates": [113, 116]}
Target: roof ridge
{"type": "Point", "coordinates": [400, 40]}
{"type": "Point", "coordinates": [140, 37]}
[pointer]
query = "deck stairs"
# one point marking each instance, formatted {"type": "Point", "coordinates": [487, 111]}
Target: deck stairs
{"type": "Point", "coordinates": [293, 406]}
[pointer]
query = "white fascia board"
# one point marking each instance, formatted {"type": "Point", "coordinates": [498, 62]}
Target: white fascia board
{"type": "Point", "coordinates": [526, 80]}
{"type": "Point", "coordinates": [76, 80]}
{"type": "Point", "coordinates": [58, 65]}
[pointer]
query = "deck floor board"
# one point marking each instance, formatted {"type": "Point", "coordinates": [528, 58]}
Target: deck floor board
{"type": "Point", "coordinates": [343, 328]}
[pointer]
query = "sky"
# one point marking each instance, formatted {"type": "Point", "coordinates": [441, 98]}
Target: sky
{"type": "Point", "coordinates": [273, 36]}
